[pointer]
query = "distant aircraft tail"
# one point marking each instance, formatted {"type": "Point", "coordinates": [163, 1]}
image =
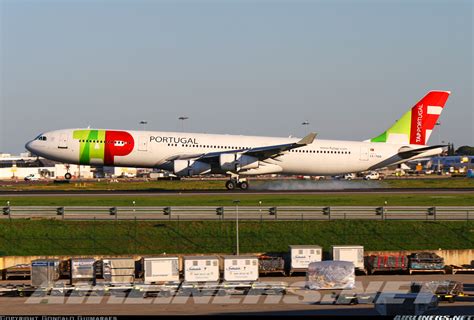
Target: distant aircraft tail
{"type": "Point", "coordinates": [415, 126]}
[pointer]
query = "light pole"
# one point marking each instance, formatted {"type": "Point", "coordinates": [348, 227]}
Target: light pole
{"type": "Point", "coordinates": [305, 123]}
{"type": "Point", "coordinates": [9, 212]}
{"type": "Point", "coordinates": [182, 118]}
{"type": "Point", "coordinates": [143, 123]}
{"type": "Point", "coordinates": [237, 224]}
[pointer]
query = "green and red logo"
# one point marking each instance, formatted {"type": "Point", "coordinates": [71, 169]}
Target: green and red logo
{"type": "Point", "coordinates": [102, 146]}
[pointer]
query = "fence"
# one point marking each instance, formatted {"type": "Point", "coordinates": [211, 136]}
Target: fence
{"type": "Point", "coordinates": [285, 213]}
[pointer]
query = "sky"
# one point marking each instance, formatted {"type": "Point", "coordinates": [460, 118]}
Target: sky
{"type": "Point", "coordinates": [349, 68]}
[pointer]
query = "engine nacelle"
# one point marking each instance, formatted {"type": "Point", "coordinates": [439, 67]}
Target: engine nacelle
{"type": "Point", "coordinates": [186, 168]}
{"type": "Point", "coordinates": [235, 162]}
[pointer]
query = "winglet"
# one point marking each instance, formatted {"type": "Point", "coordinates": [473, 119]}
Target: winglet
{"type": "Point", "coordinates": [308, 139]}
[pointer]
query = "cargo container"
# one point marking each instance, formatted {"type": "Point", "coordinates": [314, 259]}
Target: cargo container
{"type": "Point", "coordinates": [240, 268]}
{"type": "Point", "coordinates": [160, 269]}
{"type": "Point", "coordinates": [82, 270]}
{"type": "Point", "coordinates": [118, 270]}
{"type": "Point", "coordinates": [302, 255]}
{"type": "Point", "coordinates": [44, 272]}
{"type": "Point", "coordinates": [201, 268]}
{"type": "Point", "coordinates": [354, 254]}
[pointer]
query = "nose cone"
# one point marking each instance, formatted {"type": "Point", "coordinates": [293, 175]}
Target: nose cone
{"type": "Point", "coordinates": [30, 146]}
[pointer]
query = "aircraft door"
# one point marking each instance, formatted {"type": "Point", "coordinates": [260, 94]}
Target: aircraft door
{"type": "Point", "coordinates": [364, 154]}
{"type": "Point", "coordinates": [62, 144]}
{"type": "Point", "coordinates": [143, 143]}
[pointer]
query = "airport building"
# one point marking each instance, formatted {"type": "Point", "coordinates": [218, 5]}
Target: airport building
{"type": "Point", "coordinates": [18, 167]}
{"type": "Point", "coordinates": [445, 164]}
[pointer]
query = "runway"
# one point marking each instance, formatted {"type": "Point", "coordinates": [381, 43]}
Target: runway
{"type": "Point", "coordinates": [154, 193]}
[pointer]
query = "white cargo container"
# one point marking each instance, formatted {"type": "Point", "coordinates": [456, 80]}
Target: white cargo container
{"type": "Point", "coordinates": [240, 268]}
{"type": "Point", "coordinates": [354, 254]}
{"type": "Point", "coordinates": [201, 268]}
{"type": "Point", "coordinates": [161, 269]}
{"type": "Point", "coordinates": [302, 255]}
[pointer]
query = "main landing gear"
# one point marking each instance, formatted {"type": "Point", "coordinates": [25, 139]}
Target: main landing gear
{"type": "Point", "coordinates": [235, 183]}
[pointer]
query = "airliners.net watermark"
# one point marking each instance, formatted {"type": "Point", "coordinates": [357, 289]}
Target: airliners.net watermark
{"type": "Point", "coordinates": [210, 293]}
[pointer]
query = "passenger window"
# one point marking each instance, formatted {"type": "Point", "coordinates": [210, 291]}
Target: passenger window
{"type": "Point", "coordinates": [208, 263]}
{"type": "Point", "coordinates": [195, 263]}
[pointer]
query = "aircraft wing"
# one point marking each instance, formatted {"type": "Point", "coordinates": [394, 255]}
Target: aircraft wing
{"type": "Point", "coordinates": [261, 153]}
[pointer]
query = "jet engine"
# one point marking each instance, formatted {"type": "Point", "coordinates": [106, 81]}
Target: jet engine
{"type": "Point", "coordinates": [186, 168]}
{"type": "Point", "coordinates": [236, 162]}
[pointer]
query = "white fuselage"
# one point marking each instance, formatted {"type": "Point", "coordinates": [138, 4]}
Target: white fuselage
{"type": "Point", "coordinates": [153, 149]}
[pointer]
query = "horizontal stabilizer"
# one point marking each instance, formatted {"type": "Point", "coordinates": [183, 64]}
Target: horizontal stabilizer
{"type": "Point", "coordinates": [407, 152]}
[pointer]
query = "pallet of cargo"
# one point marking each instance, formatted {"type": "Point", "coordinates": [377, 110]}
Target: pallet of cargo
{"type": "Point", "coordinates": [21, 270]}
{"type": "Point", "coordinates": [464, 268]}
{"type": "Point", "coordinates": [425, 262]}
{"type": "Point", "coordinates": [271, 264]}
{"type": "Point", "coordinates": [387, 263]}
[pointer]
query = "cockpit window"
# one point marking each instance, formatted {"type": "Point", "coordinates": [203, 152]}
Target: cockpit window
{"type": "Point", "coordinates": [41, 137]}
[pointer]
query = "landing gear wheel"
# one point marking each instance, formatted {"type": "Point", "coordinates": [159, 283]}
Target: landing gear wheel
{"type": "Point", "coordinates": [244, 185]}
{"type": "Point", "coordinates": [230, 185]}
{"type": "Point", "coordinates": [68, 176]}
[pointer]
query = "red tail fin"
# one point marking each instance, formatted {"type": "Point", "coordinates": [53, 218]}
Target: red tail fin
{"type": "Point", "coordinates": [425, 114]}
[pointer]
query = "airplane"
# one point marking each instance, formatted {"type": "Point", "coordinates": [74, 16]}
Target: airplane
{"type": "Point", "coordinates": [239, 156]}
